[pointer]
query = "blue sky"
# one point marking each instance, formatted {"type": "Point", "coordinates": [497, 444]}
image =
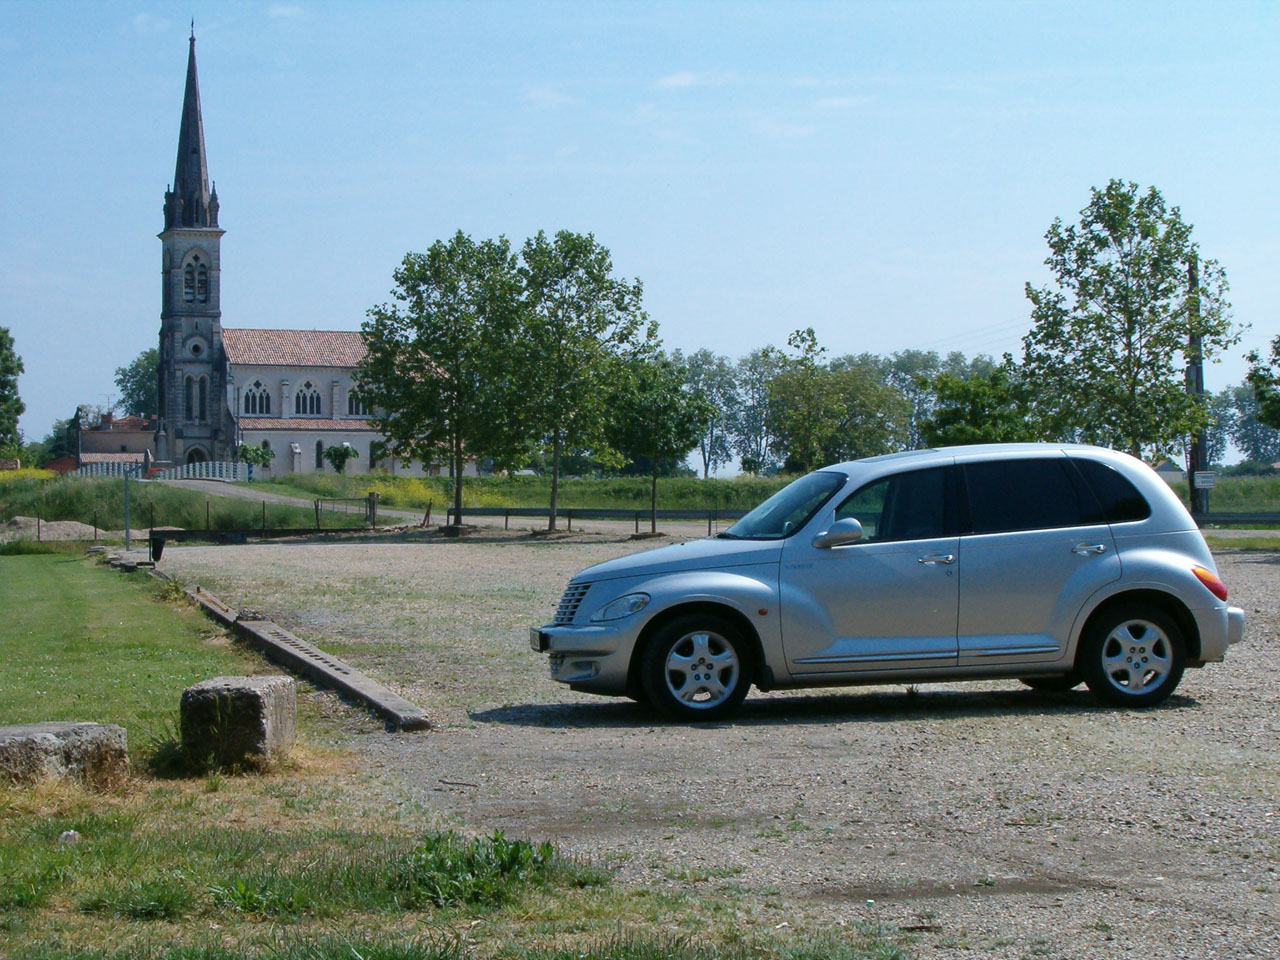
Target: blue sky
{"type": "Point", "coordinates": [882, 172]}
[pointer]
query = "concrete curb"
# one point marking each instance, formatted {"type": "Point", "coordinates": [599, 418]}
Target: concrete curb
{"type": "Point", "coordinates": [308, 660]}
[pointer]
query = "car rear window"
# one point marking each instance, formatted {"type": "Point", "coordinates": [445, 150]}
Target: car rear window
{"type": "Point", "coordinates": [1120, 500]}
{"type": "Point", "coordinates": [1032, 494]}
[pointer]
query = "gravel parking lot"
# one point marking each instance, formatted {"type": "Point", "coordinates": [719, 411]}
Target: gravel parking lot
{"type": "Point", "coordinates": [987, 817]}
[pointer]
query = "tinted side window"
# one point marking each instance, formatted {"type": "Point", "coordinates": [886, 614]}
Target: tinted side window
{"type": "Point", "coordinates": [1120, 499]}
{"type": "Point", "coordinates": [1022, 495]}
{"type": "Point", "coordinates": [908, 506]}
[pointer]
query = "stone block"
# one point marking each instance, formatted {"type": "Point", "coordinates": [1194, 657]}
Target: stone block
{"type": "Point", "coordinates": [234, 720]}
{"type": "Point", "coordinates": [95, 753]}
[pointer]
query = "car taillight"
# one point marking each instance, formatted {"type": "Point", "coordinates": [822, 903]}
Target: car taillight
{"type": "Point", "coordinates": [1212, 581]}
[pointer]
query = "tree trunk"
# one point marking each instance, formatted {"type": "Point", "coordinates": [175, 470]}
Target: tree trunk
{"type": "Point", "coordinates": [457, 480]}
{"type": "Point", "coordinates": [555, 478]}
{"type": "Point", "coordinates": [653, 499]}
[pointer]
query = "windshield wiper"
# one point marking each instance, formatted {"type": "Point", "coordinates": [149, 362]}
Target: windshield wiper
{"type": "Point", "coordinates": [726, 535]}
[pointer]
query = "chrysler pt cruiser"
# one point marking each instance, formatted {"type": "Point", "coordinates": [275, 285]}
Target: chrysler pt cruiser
{"type": "Point", "coordinates": [1052, 564]}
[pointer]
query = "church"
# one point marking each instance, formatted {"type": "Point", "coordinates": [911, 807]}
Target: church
{"type": "Point", "coordinates": [290, 391]}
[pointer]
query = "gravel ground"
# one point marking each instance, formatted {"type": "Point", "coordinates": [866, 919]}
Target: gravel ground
{"type": "Point", "coordinates": [992, 818]}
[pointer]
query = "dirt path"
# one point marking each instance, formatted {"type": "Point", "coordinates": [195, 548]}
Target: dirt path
{"type": "Point", "coordinates": [1000, 820]}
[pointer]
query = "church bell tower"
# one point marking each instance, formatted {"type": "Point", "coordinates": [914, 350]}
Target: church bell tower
{"type": "Point", "coordinates": [194, 422]}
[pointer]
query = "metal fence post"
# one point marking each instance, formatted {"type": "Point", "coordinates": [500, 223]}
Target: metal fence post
{"type": "Point", "coordinates": [569, 515]}
{"type": "Point", "coordinates": [317, 506]}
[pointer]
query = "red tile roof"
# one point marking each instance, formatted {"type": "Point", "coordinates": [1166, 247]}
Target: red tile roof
{"type": "Point", "coordinates": [111, 457]}
{"type": "Point", "coordinates": [302, 423]}
{"type": "Point", "coordinates": [294, 348]}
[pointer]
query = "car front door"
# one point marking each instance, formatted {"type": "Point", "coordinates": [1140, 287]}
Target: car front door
{"type": "Point", "coordinates": [1035, 552]}
{"type": "Point", "coordinates": [887, 601]}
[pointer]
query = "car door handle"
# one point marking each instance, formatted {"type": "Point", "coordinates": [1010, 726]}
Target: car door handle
{"type": "Point", "coordinates": [937, 558]}
{"type": "Point", "coordinates": [1083, 548]}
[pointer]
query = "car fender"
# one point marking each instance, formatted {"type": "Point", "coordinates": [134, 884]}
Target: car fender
{"type": "Point", "coordinates": [1154, 570]}
{"type": "Point", "coordinates": [751, 592]}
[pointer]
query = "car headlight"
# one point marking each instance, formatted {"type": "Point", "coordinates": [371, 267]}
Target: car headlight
{"type": "Point", "coordinates": [622, 607]}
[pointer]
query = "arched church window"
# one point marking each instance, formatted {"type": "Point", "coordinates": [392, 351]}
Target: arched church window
{"type": "Point", "coordinates": [355, 405]}
{"type": "Point", "coordinates": [202, 283]}
{"type": "Point", "coordinates": [319, 455]}
{"type": "Point", "coordinates": [257, 400]}
{"type": "Point", "coordinates": [202, 386]}
{"type": "Point", "coordinates": [189, 408]}
{"type": "Point", "coordinates": [306, 402]}
{"type": "Point", "coordinates": [189, 283]}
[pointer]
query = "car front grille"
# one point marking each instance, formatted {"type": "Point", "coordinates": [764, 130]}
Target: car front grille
{"type": "Point", "coordinates": [570, 602]}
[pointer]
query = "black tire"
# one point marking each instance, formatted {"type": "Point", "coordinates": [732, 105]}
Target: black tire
{"type": "Point", "coordinates": [1133, 656]}
{"type": "Point", "coordinates": [697, 667]}
{"type": "Point", "coordinates": [1054, 684]}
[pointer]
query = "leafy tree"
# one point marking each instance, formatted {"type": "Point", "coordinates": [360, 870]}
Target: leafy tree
{"type": "Point", "coordinates": [1257, 441]}
{"type": "Point", "coordinates": [254, 456]}
{"type": "Point", "coordinates": [656, 416]}
{"type": "Point", "coordinates": [804, 402]}
{"type": "Point", "coordinates": [11, 405]}
{"type": "Point", "coordinates": [1264, 378]}
{"type": "Point", "coordinates": [138, 384]}
{"type": "Point", "coordinates": [873, 417]}
{"type": "Point", "coordinates": [578, 320]}
{"type": "Point", "coordinates": [994, 408]}
{"type": "Point", "coordinates": [1222, 417]}
{"type": "Point", "coordinates": [338, 454]}
{"type": "Point", "coordinates": [1110, 338]}
{"type": "Point", "coordinates": [439, 369]}
{"type": "Point", "coordinates": [712, 376]}
{"type": "Point", "coordinates": [748, 427]}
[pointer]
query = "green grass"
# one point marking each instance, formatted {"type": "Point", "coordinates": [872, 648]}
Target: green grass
{"type": "Point", "coordinates": [1240, 495]}
{"type": "Point", "coordinates": [629, 493]}
{"type": "Point", "coordinates": [80, 642]}
{"type": "Point", "coordinates": [100, 500]}
{"type": "Point", "coordinates": [1261, 544]}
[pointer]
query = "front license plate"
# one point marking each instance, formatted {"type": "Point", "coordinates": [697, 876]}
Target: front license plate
{"type": "Point", "coordinates": [537, 639]}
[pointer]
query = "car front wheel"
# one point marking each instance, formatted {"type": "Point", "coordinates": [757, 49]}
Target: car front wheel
{"type": "Point", "coordinates": [696, 668]}
{"type": "Point", "coordinates": [1133, 656]}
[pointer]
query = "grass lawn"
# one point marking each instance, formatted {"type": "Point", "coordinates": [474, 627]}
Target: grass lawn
{"type": "Point", "coordinates": [293, 862]}
{"type": "Point", "coordinates": [82, 643]}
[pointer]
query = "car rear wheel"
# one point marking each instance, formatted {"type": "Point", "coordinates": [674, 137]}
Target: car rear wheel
{"type": "Point", "coordinates": [696, 668]}
{"type": "Point", "coordinates": [1058, 684]}
{"type": "Point", "coordinates": [1133, 656]}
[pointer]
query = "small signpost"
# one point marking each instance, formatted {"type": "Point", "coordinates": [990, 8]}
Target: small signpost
{"type": "Point", "coordinates": [1205, 479]}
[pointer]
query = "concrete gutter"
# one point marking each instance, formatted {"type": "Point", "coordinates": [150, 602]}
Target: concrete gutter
{"type": "Point", "coordinates": [308, 660]}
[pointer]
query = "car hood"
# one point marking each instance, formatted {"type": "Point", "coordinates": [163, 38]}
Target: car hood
{"type": "Point", "coordinates": [692, 555]}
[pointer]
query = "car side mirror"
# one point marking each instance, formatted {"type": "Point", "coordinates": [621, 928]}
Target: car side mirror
{"type": "Point", "coordinates": [843, 531]}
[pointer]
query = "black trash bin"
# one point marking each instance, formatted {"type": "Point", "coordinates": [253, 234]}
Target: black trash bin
{"type": "Point", "coordinates": [157, 548]}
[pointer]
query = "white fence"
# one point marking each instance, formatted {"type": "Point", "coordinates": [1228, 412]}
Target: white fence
{"type": "Point", "coordinates": [209, 470]}
{"type": "Point", "coordinates": [108, 470]}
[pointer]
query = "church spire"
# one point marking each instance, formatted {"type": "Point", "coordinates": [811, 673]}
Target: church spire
{"type": "Point", "coordinates": [189, 204]}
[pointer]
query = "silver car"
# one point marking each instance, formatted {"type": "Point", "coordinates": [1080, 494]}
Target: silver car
{"type": "Point", "coordinates": [1049, 563]}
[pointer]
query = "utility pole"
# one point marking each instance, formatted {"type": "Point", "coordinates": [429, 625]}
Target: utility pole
{"type": "Point", "coordinates": [1195, 385]}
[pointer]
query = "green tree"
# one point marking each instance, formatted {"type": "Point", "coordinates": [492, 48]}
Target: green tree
{"type": "Point", "coordinates": [804, 402]}
{"type": "Point", "coordinates": [578, 320]}
{"type": "Point", "coordinates": [338, 454]}
{"type": "Point", "coordinates": [1264, 378]}
{"type": "Point", "coordinates": [873, 418]}
{"type": "Point", "coordinates": [11, 405]}
{"type": "Point", "coordinates": [748, 427]}
{"type": "Point", "coordinates": [990, 408]}
{"type": "Point", "coordinates": [1257, 441]}
{"type": "Point", "coordinates": [656, 416]}
{"type": "Point", "coordinates": [1110, 336]}
{"type": "Point", "coordinates": [253, 456]}
{"type": "Point", "coordinates": [712, 375]}
{"type": "Point", "coordinates": [138, 384]}
{"type": "Point", "coordinates": [439, 370]}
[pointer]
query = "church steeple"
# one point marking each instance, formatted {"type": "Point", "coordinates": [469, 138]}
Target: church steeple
{"type": "Point", "coordinates": [190, 203]}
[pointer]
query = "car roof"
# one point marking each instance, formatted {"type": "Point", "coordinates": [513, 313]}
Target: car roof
{"type": "Point", "coordinates": [929, 455]}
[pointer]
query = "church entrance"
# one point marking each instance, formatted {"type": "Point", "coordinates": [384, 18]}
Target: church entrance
{"type": "Point", "coordinates": [197, 456]}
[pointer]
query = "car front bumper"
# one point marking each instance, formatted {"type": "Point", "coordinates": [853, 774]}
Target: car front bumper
{"type": "Point", "coordinates": [595, 658]}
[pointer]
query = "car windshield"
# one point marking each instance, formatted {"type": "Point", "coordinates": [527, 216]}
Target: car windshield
{"type": "Point", "coordinates": [787, 510]}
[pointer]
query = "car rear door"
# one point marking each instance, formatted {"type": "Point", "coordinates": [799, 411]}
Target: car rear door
{"type": "Point", "coordinates": [1035, 550]}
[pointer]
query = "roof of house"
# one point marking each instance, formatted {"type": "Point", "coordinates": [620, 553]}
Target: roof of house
{"type": "Point", "coordinates": [111, 457]}
{"type": "Point", "coordinates": [126, 423]}
{"type": "Point", "coordinates": [303, 423]}
{"type": "Point", "coordinates": [293, 348]}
